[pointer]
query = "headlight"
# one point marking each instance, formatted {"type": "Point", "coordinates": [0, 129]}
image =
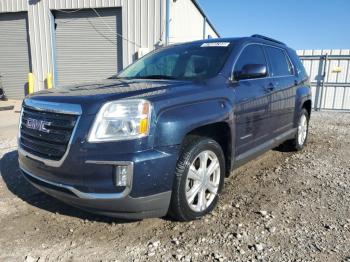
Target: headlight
{"type": "Point", "coordinates": [121, 120]}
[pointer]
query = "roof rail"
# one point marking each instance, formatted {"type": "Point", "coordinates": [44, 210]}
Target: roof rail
{"type": "Point", "coordinates": [268, 39]}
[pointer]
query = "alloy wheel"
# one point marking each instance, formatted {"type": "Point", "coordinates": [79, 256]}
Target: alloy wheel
{"type": "Point", "coordinates": [302, 129]}
{"type": "Point", "coordinates": [203, 180]}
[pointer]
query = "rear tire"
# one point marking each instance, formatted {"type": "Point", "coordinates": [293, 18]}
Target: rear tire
{"type": "Point", "coordinates": [199, 179]}
{"type": "Point", "coordinates": [300, 139]}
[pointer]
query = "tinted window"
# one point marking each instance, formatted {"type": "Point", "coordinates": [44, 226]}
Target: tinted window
{"type": "Point", "coordinates": [165, 65]}
{"type": "Point", "coordinates": [299, 65]}
{"type": "Point", "coordinates": [194, 61]}
{"type": "Point", "coordinates": [252, 54]}
{"type": "Point", "coordinates": [280, 64]}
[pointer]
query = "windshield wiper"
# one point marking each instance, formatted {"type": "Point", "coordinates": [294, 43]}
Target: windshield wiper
{"type": "Point", "coordinates": [157, 77]}
{"type": "Point", "coordinates": [116, 77]}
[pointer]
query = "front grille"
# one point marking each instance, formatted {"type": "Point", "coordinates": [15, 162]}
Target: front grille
{"type": "Point", "coordinates": [49, 136]}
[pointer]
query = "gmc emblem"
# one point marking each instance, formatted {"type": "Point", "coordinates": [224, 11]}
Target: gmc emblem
{"type": "Point", "coordinates": [39, 125]}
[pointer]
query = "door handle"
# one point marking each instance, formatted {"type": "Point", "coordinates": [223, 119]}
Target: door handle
{"type": "Point", "coordinates": [270, 87]}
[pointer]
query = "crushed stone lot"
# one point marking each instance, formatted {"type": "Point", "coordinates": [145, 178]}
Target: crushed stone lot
{"type": "Point", "coordinates": [284, 206]}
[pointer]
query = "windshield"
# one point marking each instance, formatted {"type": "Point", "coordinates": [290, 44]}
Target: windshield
{"type": "Point", "coordinates": [191, 62]}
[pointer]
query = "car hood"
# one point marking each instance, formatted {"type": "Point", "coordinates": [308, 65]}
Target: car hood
{"type": "Point", "coordinates": [92, 95]}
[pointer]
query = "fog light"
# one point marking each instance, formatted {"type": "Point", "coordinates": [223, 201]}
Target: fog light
{"type": "Point", "coordinates": [123, 175]}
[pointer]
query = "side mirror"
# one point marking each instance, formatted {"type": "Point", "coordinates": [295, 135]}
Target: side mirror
{"type": "Point", "coordinates": [251, 71]}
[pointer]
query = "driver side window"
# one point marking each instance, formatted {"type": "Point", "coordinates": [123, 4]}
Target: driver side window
{"type": "Point", "coordinates": [252, 54]}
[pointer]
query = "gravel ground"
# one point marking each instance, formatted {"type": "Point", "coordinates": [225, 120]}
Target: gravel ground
{"type": "Point", "coordinates": [281, 207]}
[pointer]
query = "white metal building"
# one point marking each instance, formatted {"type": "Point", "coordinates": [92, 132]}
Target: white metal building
{"type": "Point", "coordinates": [83, 40]}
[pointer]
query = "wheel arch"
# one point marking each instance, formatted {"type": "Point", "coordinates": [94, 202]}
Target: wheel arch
{"type": "Point", "coordinates": [221, 133]}
{"type": "Point", "coordinates": [307, 105]}
{"type": "Point", "coordinates": [303, 100]}
{"type": "Point", "coordinates": [173, 124]}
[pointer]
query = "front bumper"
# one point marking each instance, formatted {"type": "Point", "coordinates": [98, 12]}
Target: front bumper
{"type": "Point", "coordinates": [114, 205]}
{"type": "Point", "coordinates": [85, 176]}
{"type": "Point", "coordinates": [89, 185]}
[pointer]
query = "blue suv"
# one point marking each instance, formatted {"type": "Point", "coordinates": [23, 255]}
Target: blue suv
{"type": "Point", "coordinates": [160, 137]}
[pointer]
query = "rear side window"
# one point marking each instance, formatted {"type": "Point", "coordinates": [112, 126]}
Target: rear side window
{"type": "Point", "coordinates": [299, 65]}
{"type": "Point", "coordinates": [252, 54]}
{"type": "Point", "coordinates": [280, 64]}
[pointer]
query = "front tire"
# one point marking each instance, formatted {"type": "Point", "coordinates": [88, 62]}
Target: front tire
{"type": "Point", "coordinates": [199, 178]}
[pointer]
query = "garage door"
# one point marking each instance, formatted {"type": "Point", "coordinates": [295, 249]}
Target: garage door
{"type": "Point", "coordinates": [88, 47]}
{"type": "Point", "coordinates": [14, 54]}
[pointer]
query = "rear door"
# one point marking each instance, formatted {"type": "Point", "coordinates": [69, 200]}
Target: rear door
{"type": "Point", "coordinates": [251, 102]}
{"type": "Point", "coordinates": [283, 95]}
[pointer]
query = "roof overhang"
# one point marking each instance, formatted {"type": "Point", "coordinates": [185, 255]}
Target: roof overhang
{"type": "Point", "coordinates": [205, 16]}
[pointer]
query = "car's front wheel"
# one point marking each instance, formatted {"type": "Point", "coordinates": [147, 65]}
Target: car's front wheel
{"type": "Point", "coordinates": [198, 180]}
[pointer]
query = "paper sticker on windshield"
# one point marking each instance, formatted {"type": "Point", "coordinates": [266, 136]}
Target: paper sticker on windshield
{"type": "Point", "coordinates": [216, 44]}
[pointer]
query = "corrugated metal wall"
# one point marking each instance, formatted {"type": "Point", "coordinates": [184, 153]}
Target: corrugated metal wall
{"type": "Point", "coordinates": [7, 6]}
{"type": "Point", "coordinates": [14, 62]}
{"type": "Point", "coordinates": [143, 23]}
{"type": "Point", "coordinates": [143, 26]}
{"type": "Point", "coordinates": [187, 22]}
{"type": "Point", "coordinates": [39, 18]}
{"type": "Point", "coordinates": [72, 4]}
{"type": "Point", "coordinates": [209, 31]}
{"type": "Point", "coordinates": [329, 72]}
{"type": "Point", "coordinates": [86, 51]}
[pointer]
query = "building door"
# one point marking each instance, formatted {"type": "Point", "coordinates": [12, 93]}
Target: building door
{"type": "Point", "coordinates": [88, 45]}
{"type": "Point", "coordinates": [14, 54]}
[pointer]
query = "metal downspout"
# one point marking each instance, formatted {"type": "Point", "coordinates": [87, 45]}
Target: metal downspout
{"type": "Point", "coordinates": [323, 81]}
{"type": "Point", "coordinates": [53, 47]}
{"type": "Point", "coordinates": [205, 28]}
{"type": "Point", "coordinates": [167, 22]}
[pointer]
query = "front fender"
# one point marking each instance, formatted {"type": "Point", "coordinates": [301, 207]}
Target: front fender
{"type": "Point", "coordinates": [174, 123]}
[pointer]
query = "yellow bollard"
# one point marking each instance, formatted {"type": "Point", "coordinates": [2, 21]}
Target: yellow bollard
{"type": "Point", "coordinates": [49, 81]}
{"type": "Point", "coordinates": [30, 83]}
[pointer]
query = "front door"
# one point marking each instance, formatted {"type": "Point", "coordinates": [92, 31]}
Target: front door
{"type": "Point", "coordinates": [251, 103]}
